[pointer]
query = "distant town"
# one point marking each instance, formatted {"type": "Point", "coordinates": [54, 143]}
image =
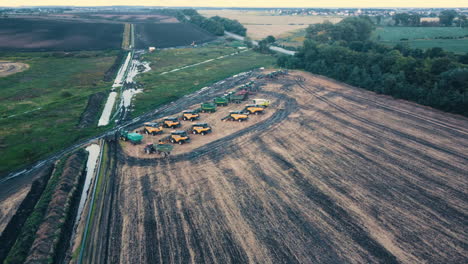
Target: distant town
{"type": "Point", "coordinates": [385, 12]}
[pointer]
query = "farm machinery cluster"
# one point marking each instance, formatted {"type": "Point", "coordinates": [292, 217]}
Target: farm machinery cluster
{"type": "Point", "coordinates": [166, 144]}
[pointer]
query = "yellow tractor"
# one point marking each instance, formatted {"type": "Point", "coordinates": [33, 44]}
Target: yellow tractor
{"type": "Point", "coordinates": [236, 116]}
{"type": "Point", "coordinates": [179, 137]}
{"type": "Point", "coordinates": [171, 122]}
{"type": "Point", "coordinates": [254, 109]}
{"type": "Point", "coordinates": [200, 128]}
{"type": "Point", "coordinates": [153, 128]}
{"type": "Point", "coordinates": [190, 115]}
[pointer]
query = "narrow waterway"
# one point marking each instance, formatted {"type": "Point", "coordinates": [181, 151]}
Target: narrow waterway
{"type": "Point", "coordinates": [106, 113]}
{"type": "Point", "coordinates": [93, 156]}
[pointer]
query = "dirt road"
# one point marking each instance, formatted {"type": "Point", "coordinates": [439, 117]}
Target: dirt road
{"type": "Point", "coordinates": [335, 175]}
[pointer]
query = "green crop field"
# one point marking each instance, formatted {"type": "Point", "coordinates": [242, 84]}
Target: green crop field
{"type": "Point", "coordinates": [449, 38]}
{"type": "Point", "coordinates": [40, 107]}
{"type": "Point", "coordinates": [159, 89]}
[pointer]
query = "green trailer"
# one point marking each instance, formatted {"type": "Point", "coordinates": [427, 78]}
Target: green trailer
{"type": "Point", "coordinates": [208, 107]}
{"type": "Point", "coordinates": [237, 98]}
{"type": "Point", "coordinates": [161, 149]}
{"type": "Point", "coordinates": [234, 97]}
{"type": "Point", "coordinates": [133, 138]}
{"type": "Point", "coordinates": [221, 101]}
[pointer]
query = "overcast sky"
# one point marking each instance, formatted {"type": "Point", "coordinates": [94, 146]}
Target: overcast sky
{"type": "Point", "coordinates": [246, 3]}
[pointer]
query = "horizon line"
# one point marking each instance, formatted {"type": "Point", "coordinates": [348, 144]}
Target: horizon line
{"type": "Point", "coordinates": [230, 7]}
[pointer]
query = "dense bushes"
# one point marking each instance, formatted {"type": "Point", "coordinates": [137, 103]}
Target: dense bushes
{"type": "Point", "coordinates": [434, 77]}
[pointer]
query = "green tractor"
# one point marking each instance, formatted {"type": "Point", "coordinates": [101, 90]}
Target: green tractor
{"type": "Point", "coordinates": [208, 107]}
{"type": "Point", "coordinates": [134, 138]}
{"type": "Point", "coordinates": [221, 101]}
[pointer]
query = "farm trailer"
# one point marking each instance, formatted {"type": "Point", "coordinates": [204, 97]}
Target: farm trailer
{"type": "Point", "coordinates": [134, 138]}
{"type": "Point", "coordinates": [161, 149]}
{"type": "Point", "coordinates": [208, 107]}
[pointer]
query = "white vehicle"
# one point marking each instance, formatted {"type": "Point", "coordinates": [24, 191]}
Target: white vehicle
{"type": "Point", "coordinates": [262, 102]}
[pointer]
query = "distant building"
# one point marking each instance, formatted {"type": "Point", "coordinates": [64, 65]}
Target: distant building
{"type": "Point", "coordinates": [151, 49]}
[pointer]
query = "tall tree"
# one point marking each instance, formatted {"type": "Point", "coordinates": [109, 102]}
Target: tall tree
{"type": "Point", "coordinates": [446, 17]}
{"type": "Point", "coordinates": [462, 21]}
{"type": "Point", "coordinates": [401, 19]}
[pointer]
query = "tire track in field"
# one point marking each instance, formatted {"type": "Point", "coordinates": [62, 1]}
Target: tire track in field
{"type": "Point", "coordinates": [152, 243]}
{"type": "Point", "coordinates": [398, 111]}
{"type": "Point", "coordinates": [370, 130]}
{"type": "Point", "coordinates": [326, 203]}
{"type": "Point", "coordinates": [384, 128]}
{"type": "Point", "coordinates": [404, 114]}
{"type": "Point", "coordinates": [291, 220]}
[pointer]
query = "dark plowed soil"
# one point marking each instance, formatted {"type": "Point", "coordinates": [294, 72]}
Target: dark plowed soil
{"type": "Point", "coordinates": [336, 175]}
{"type": "Point", "coordinates": [169, 35]}
{"type": "Point", "coordinates": [93, 108]}
{"type": "Point", "coordinates": [53, 35]}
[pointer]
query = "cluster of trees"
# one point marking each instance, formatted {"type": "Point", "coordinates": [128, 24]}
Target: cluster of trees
{"type": "Point", "coordinates": [446, 18]}
{"type": "Point", "coordinates": [432, 77]}
{"type": "Point", "coordinates": [264, 44]}
{"type": "Point", "coordinates": [231, 25]}
{"type": "Point", "coordinates": [406, 19]}
{"type": "Point", "coordinates": [349, 29]}
{"type": "Point", "coordinates": [215, 25]}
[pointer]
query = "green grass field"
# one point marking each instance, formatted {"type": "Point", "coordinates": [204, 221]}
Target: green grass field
{"type": "Point", "coordinates": [159, 89]}
{"type": "Point", "coordinates": [166, 60]}
{"type": "Point", "coordinates": [40, 107]}
{"type": "Point", "coordinates": [425, 37]}
{"type": "Point", "coordinates": [293, 39]}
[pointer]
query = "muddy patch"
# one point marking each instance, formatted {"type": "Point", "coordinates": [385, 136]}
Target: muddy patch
{"type": "Point", "coordinates": [9, 68]}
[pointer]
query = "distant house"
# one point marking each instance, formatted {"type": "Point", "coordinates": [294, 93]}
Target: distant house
{"type": "Point", "coordinates": [151, 49]}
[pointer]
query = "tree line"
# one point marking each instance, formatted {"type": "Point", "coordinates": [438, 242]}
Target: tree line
{"type": "Point", "coordinates": [344, 51]}
{"type": "Point", "coordinates": [447, 18]}
{"type": "Point", "coordinates": [215, 25]}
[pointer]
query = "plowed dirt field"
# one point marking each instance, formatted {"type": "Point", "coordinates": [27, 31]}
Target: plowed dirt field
{"type": "Point", "coordinates": [331, 174]}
